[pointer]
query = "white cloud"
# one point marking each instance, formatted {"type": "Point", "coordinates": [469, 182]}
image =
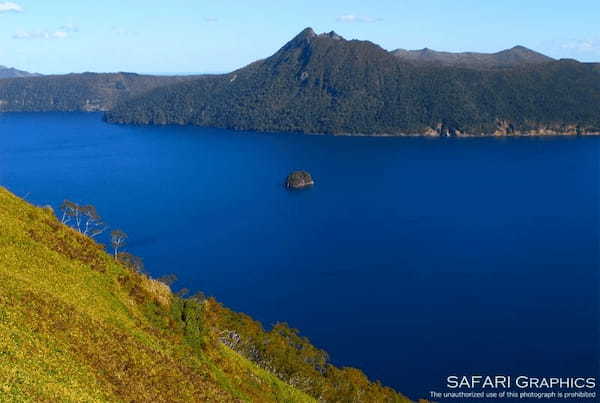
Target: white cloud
{"type": "Point", "coordinates": [357, 18]}
{"type": "Point", "coordinates": [58, 34]}
{"type": "Point", "coordinates": [119, 31]}
{"type": "Point", "coordinates": [582, 49]}
{"type": "Point", "coordinates": [7, 6]}
{"type": "Point", "coordinates": [582, 45]}
{"type": "Point", "coordinates": [69, 28]}
{"type": "Point", "coordinates": [62, 32]}
{"type": "Point", "coordinates": [211, 19]}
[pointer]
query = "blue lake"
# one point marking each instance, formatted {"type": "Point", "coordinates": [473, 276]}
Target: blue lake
{"type": "Point", "coordinates": [412, 258]}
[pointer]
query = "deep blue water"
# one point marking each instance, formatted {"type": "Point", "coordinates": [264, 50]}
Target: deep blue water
{"type": "Point", "coordinates": [413, 259]}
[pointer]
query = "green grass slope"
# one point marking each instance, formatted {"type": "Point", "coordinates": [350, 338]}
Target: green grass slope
{"type": "Point", "coordinates": [76, 326]}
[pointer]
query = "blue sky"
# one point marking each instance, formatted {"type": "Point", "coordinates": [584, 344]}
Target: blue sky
{"type": "Point", "coordinates": [174, 36]}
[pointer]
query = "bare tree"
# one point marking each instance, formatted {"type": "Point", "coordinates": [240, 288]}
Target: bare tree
{"type": "Point", "coordinates": [118, 238]}
{"type": "Point", "coordinates": [69, 211]}
{"type": "Point", "coordinates": [92, 222]}
{"type": "Point", "coordinates": [84, 219]}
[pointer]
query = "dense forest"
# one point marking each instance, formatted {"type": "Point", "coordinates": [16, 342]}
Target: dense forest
{"type": "Point", "coordinates": [76, 92]}
{"type": "Point", "coordinates": [326, 84]}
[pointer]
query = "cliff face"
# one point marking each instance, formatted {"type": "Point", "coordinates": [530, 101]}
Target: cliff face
{"type": "Point", "coordinates": [326, 84]}
{"type": "Point", "coordinates": [76, 325]}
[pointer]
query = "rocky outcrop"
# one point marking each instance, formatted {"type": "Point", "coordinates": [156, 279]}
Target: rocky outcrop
{"type": "Point", "coordinates": [508, 128]}
{"type": "Point", "coordinates": [299, 180]}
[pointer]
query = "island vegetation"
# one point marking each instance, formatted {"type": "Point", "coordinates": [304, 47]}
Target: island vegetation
{"type": "Point", "coordinates": [80, 324]}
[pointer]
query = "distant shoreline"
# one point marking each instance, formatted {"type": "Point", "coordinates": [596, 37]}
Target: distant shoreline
{"type": "Point", "coordinates": [415, 135]}
{"type": "Point", "coordinates": [430, 134]}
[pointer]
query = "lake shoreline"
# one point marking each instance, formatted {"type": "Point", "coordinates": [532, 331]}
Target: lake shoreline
{"type": "Point", "coordinates": [430, 133]}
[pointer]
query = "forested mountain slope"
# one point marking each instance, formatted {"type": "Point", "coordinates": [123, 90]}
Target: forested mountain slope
{"type": "Point", "coordinates": [326, 84]}
{"type": "Point", "coordinates": [76, 92]}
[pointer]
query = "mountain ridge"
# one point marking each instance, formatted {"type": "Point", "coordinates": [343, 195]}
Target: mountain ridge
{"type": "Point", "coordinates": [515, 56]}
{"type": "Point", "coordinates": [10, 72]}
{"type": "Point", "coordinates": [323, 83]}
{"type": "Point", "coordinates": [326, 84]}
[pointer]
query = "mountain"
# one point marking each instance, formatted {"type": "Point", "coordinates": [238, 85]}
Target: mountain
{"type": "Point", "coordinates": [76, 324]}
{"type": "Point", "coordinates": [76, 92]}
{"type": "Point", "coordinates": [8, 72]}
{"type": "Point", "coordinates": [516, 56]}
{"type": "Point", "coordinates": [326, 84]}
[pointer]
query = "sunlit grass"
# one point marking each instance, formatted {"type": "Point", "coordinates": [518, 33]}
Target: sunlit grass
{"type": "Point", "coordinates": [75, 326]}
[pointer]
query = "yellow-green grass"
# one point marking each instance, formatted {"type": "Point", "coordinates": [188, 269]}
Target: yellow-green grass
{"type": "Point", "coordinates": [75, 327]}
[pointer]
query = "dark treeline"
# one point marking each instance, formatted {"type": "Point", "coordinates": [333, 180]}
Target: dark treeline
{"type": "Point", "coordinates": [76, 92]}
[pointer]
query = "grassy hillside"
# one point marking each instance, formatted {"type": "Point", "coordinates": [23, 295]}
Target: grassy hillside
{"type": "Point", "coordinates": [75, 325]}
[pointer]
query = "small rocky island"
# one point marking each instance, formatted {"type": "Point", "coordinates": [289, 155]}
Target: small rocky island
{"type": "Point", "coordinates": [299, 180]}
